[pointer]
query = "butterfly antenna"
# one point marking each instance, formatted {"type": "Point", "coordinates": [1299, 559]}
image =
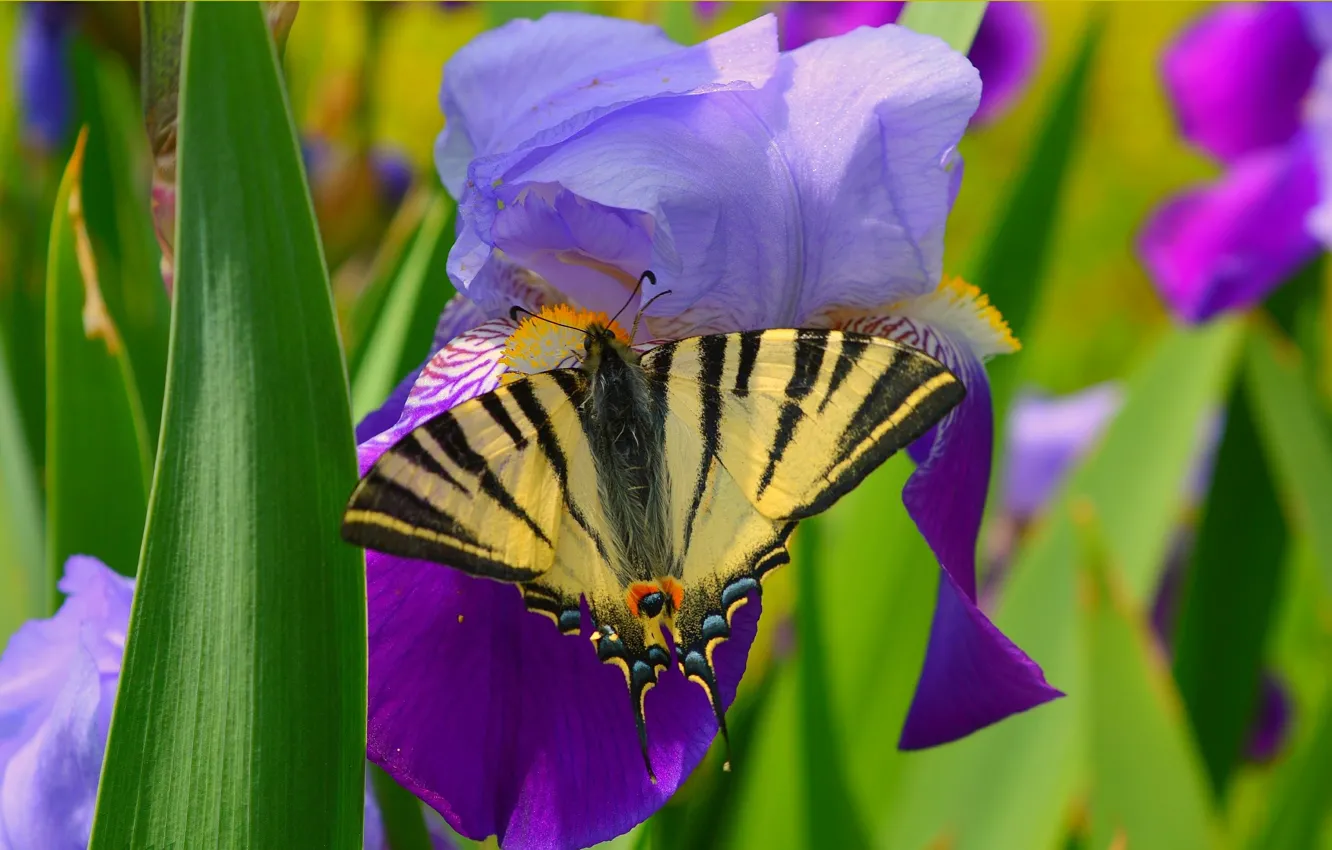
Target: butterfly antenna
{"type": "Point", "coordinates": [643, 309]}
{"type": "Point", "coordinates": [514, 311]}
{"type": "Point", "coordinates": [647, 275]}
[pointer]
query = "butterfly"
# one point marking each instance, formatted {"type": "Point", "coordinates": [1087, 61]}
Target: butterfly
{"type": "Point", "coordinates": [661, 487]}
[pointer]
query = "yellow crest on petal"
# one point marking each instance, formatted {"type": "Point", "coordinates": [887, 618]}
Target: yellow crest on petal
{"type": "Point", "coordinates": [965, 310]}
{"type": "Point", "coordinates": [552, 339]}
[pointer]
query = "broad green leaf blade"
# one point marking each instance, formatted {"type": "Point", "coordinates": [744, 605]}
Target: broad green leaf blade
{"type": "Point", "coordinates": [97, 454]}
{"type": "Point", "coordinates": [28, 592]}
{"type": "Point", "coordinates": [1295, 439]}
{"type": "Point", "coordinates": [241, 710]}
{"type": "Point", "coordinates": [831, 814]}
{"type": "Point", "coordinates": [1010, 787]}
{"type": "Point", "coordinates": [1148, 785]}
{"type": "Point", "coordinates": [955, 23]}
{"type": "Point", "coordinates": [116, 204]}
{"type": "Point", "coordinates": [1231, 593]}
{"type": "Point", "coordinates": [401, 337]}
{"type": "Point", "coordinates": [404, 820]}
{"type": "Point", "coordinates": [1138, 484]}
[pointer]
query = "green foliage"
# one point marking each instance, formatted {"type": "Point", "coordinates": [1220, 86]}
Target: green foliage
{"type": "Point", "coordinates": [241, 713]}
{"type": "Point", "coordinates": [955, 23]}
{"type": "Point", "coordinates": [97, 477]}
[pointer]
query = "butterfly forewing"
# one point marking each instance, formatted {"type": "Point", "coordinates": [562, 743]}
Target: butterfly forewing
{"type": "Point", "coordinates": [799, 417]}
{"type": "Point", "coordinates": [480, 487]}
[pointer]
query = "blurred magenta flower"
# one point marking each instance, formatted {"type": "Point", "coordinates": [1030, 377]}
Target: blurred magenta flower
{"type": "Point", "coordinates": [808, 188]}
{"type": "Point", "coordinates": [1238, 80]}
{"type": "Point", "coordinates": [45, 87]}
{"type": "Point", "coordinates": [1005, 50]}
{"type": "Point", "coordinates": [58, 680]}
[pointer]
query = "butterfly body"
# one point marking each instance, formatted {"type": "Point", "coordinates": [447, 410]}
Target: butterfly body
{"type": "Point", "coordinates": [659, 487]}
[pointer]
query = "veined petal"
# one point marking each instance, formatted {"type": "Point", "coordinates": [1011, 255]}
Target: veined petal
{"type": "Point", "coordinates": [1237, 77]}
{"type": "Point", "coordinates": [973, 675]}
{"type": "Point", "coordinates": [58, 682]}
{"type": "Point", "coordinates": [1227, 245]}
{"type": "Point", "coordinates": [571, 68]}
{"type": "Point", "coordinates": [749, 192]}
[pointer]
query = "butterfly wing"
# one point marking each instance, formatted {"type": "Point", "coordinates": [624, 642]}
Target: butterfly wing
{"type": "Point", "coordinates": [799, 417]}
{"type": "Point", "coordinates": [789, 420]}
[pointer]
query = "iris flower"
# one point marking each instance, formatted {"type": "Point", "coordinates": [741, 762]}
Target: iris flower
{"type": "Point", "coordinates": [1240, 81]}
{"type": "Point", "coordinates": [764, 189]}
{"type": "Point", "coordinates": [58, 681]}
{"type": "Point", "coordinates": [1004, 51]}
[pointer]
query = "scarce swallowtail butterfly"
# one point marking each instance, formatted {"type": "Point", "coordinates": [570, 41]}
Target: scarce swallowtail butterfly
{"type": "Point", "coordinates": [662, 487]}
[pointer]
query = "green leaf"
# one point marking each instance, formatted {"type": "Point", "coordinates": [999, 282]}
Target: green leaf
{"type": "Point", "coordinates": [1138, 483]}
{"type": "Point", "coordinates": [830, 810]}
{"type": "Point", "coordinates": [1301, 802]}
{"type": "Point", "coordinates": [401, 337]}
{"type": "Point", "coordinates": [1229, 598]}
{"type": "Point", "coordinates": [22, 567]}
{"type": "Point", "coordinates": [1295, 439]}
{"type": "Point", "coordinates": [1012, 265]}
{"type": "Point", "coordinates": [955, 23]}
{"type": "Point", "coordinates": [97, 444]}
{"type": "Point", "coordinates": [241, 710]}
{"type": "Point", "coordinates": [1149, 789]}
{"type": "Point", "coordinates": [116, 205]}
{"type": "Point", "coordinates": [1012, 785]}
{"type": "Point", "coordinates": [400, 810]}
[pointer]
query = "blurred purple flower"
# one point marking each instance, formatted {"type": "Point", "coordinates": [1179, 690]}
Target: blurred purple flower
{"type": "Point", "coordinates": [1005, 49]}
{"type": "Point", "coordinates": [393, 172]}
{"type": "Point", "coordinates": [765, 190]}
{"type": "Point", "coordinates": [58, 680]}
{"type": "Point", "coordinates": [1238, 80]}
{"type": "Point", "coordinates": [1270, 728]}
{"type": "Point", "coordinates": [46, 90]}
{"type": "Point", "coordinates": [1046, 437]}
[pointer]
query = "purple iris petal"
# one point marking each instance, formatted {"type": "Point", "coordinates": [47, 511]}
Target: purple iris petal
{"type": "Point", "coordinates": [57, 686]}
{"type": "Point", "coordinates": [507, 727]}
{"type": "Point", "coordinates": [537, 83]}
{"type": "Point", "coordinates": [1318, 124]}
{"type": "Point", "coordinates": [487, 712]}
{"type": "Point", "coordinates": [973, 675]}
{"type": "Point", "coordinates": [45, 87]}
{"type": "Point", "coordinates": [1004, 51]}
{"type": "Point", "coordinates": [1046, 437]}
{"type": "Point", "coordinates": [1225, 246]}
{"type": "Point", "coordinates": [1237, 77]}
{"type": "Point", "coordinates": [803, 22]}
{"type": "Point", "coordinates": [749, 192]}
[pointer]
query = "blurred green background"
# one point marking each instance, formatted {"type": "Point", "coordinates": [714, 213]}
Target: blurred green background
{"type": "Point", "coordinates": [1054, 194]}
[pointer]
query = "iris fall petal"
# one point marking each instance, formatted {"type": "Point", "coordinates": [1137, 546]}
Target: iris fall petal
{"type": "Point", "coordinates": [1237, 77]}
{"type": "Point", "coordinates": [1225, 246]}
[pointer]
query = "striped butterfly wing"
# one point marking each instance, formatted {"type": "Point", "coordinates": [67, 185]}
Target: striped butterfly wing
{"type": "Point", "coordinates": [502, 486]}
{"type": "Point", "coordinates": [768, 428]}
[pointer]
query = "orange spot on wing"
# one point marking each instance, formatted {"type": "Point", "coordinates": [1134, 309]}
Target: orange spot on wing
{"type": "Point", "coordinates": [674, 591]}
{"type": "Point", "coordinates": [636, 592]}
